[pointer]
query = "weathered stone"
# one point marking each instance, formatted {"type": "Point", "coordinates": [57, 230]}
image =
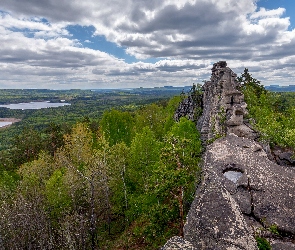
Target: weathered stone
{"type": "Point", "coordinates": [224, 106]}
{"type": "Point", "coordinates": [284, 157]}
{"type": "Point", "coordinates": [276, 245]}
{"type": "Point", "coordinates": [176, 243]}
{"type": "Point", "coordinates": [186, 109]}
{"type": "Point", "coordinates": [243, 189]}
{"type": "Point", "coordinates": [242, 131]}
{"type": "Point", "coordinates": [265, 192]}
{"type": "Point", "coordinates": [216, 222]}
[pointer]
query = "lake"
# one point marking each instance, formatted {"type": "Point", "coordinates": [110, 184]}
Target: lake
{"type": "Point", "coordinates": [34, 105]}
{"type": "Point", "coordinates": [3, 124]}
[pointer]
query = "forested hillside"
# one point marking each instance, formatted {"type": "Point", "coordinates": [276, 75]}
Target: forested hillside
{"type": "Point", "coordinates": [123, 182]}
{"type": "Point", "coordinates": [124, 179]}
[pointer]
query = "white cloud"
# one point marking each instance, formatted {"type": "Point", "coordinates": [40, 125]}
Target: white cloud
{"type": "Point", "coordinates": [263, 13]}
{"type": "Point", "coordinates": [34, 26]}
{"type": "Point", "coordinates": [186, 36]}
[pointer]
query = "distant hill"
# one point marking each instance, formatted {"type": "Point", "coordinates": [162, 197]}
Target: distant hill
{"type": "Point", "coordinates": [278, 88]}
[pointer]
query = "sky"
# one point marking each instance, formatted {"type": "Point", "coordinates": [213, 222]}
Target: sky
{"type": "Point", "coordinates": [94, 44]}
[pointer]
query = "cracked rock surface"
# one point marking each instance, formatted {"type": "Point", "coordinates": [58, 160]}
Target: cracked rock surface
{"type": "Point", "coordinates": [242, 192]}
{"type": "Point", "coordinates": [265, 191]}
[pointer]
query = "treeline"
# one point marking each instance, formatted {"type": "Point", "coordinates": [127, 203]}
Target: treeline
{"type": "Point", "coordinates": [124, 182]}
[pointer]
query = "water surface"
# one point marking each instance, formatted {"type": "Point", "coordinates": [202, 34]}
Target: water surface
{"type": "Point", "coordinates": [34, 105]}
{"type": "Point", "coordinates": [3, 124]}
{"type": "Point", "coordinates": [233, 176]}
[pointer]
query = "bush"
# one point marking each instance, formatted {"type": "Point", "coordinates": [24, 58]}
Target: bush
{"type": "Point", "coordinates": [263, 244]}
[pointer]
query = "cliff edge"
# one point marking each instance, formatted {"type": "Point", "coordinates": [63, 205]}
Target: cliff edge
{"type": "Point", "coordinates": [243, 195]}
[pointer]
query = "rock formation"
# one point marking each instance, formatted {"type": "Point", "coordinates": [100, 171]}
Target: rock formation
{"type": "Point", "coordinates": [186, 109]}
{"type": "Point", "coordinates": [224, 106]}
{"type": "Point", "coordinates": [243, 193]}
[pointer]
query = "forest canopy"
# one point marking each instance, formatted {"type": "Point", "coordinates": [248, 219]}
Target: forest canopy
{"type": "Point", "coordinates": [124, 181]}
{"type": "Point", "coordinates": [271, 113]}
{"type": "Point", "coordinates": [118, 177]}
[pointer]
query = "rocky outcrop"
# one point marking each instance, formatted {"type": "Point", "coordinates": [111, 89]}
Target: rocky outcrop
{"type": "Point", "coordinates": [224, 106]}
{"type": "Point", "coordinates": [243, 193]}
{"type": "Point", "coordinates": [186, 109]}
{"type": "Point", "coordinates": [191, 107]}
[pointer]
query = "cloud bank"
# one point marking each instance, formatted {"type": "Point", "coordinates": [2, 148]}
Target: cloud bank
{"type": "Point", "coordinates": [173, 42]}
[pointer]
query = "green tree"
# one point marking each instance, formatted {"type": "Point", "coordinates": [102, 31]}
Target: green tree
{"type": "Point", "coordinates": [152, 116]}
{"type": "Point", "coordinates": [273, 119]}
{"type": "Point", "coordinates": [54, 138]}
{"type": "Point", "coordinates": [248, 81]}
{"type": "Point", "coordinates": [26, 146]}
{"type": "Point", "coordinates": [87, 167]}
{"type": "Point", "coordinates": [172, 105]}
{"type": "Point", "coordinates": [58, 196]}
{"type": "Point", "coordinates": [24, 222]}
{"type": "Point", "coordinates": [178, 170]}
{"type": "Point", "coordinates": [117, 159]}
{"type": "Point", "coordinates": [117, 126]}
{"type": "Point", "coordinates": [196, 94]}
{"type": "Point", "coordinates": [144, 154]}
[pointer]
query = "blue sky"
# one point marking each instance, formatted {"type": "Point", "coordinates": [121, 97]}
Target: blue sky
{"type": "Point", "coordinates": [138, 43]}
{"type": "Point", "coordinates": [288, 5]}
{"type": "Point", "coordinates": [99, 42]}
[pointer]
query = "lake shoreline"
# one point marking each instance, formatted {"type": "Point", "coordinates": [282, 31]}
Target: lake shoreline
{"type": "Point", "coordinates": [12, 120]}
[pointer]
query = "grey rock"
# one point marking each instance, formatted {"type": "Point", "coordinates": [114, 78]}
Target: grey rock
{"type": "Point", "coordinates": [224, 107]}
{"type": "Point", "coordinates": [243, 189]}
{"type": "Point", "coordinates": [218, 218]}
{"type": "Point", "coordinates": [216, 222]}
{"type": "Point", "coordinates": [176, 243]}
{"type": "Point", "coordinates": [282, 245]}
{"type": "Point", "coordinates": [186, 109]}
{"type": "Point", "coordinates": [284, 157]}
